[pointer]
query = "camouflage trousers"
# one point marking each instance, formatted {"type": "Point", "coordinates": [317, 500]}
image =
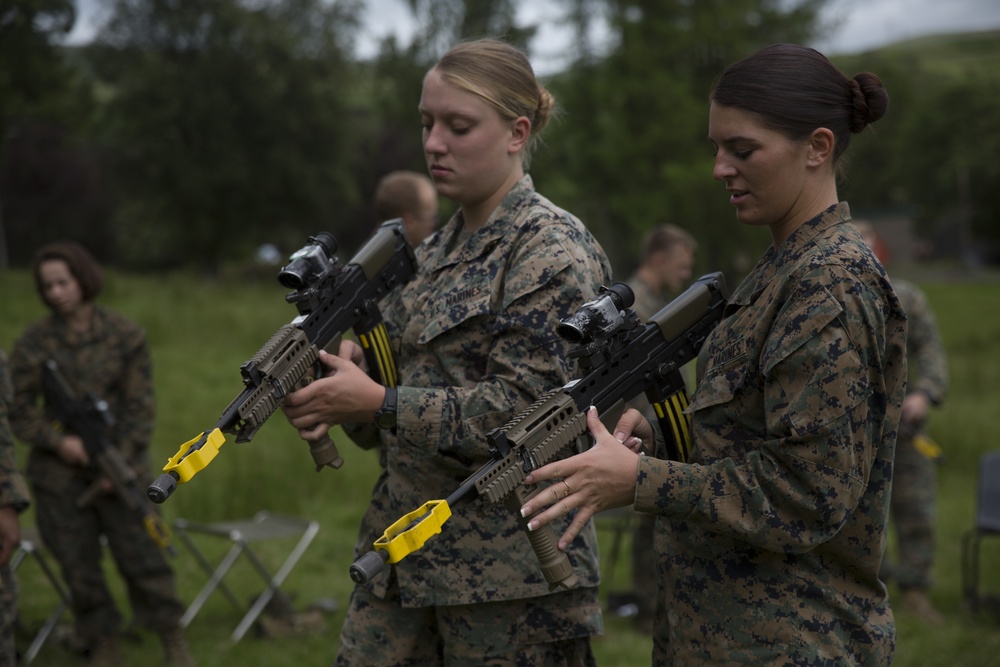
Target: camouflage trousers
{"type": "Point", "coordinates": [73, 535]}
{"type": "Point", "coordinates": [551, 631]}
{"type": "Point", "coordinates": [8, 616]}
{"type": "Point", "coordinates": [913, 511]}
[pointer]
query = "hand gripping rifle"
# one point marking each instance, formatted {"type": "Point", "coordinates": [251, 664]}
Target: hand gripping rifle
{"type": "Point", "coordinates": [90, 417]}
{"type": "Point", "coordinates": [331, 299]}
{"type": "Point", "coordinates": [619, 358]}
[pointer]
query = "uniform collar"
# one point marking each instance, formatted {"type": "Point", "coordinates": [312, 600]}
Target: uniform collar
{"type": "Point", "coordinates": [483, 239]}
{"type": "Point", "coordinates": [776, 262]}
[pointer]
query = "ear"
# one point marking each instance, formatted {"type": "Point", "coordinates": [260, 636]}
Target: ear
{"type": "Point", "coordinates": [520, 132]}
{"type": "Point", "coordinates": [821, 143]}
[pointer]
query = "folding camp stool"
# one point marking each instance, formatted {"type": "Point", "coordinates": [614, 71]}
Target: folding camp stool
{"type": "Point", "coordinates": [31, 545]}
{"type": "Point", "coordinates": [263, 526]}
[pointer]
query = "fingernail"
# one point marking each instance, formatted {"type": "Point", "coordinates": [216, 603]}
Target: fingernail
{"type": "Point", "coordinates": [525, 511]}
{"type": "Point", "coordinates": [532, 525]}
{"type": "Point", "coordinates": [620, 437]}
{"type": "Point", "coordinates": [528, 480]}
{"type": "Point", "coordinates": [634, 442]}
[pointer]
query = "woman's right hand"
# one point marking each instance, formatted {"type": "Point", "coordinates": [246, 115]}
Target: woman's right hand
{"type": "Point", "coordinates": [73, 452]}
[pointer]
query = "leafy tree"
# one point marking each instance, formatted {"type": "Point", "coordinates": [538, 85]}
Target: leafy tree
{"type": "Point", "coordinates": [49, 187]}
{"type": "Point", "coordinates": [632, 151]}
{"type": "Point", "coordinates": [933, 155]}
{"type": "Point", "coordinates": [229, 124]}
{"type": "Point", "coordinates": [31, 65]}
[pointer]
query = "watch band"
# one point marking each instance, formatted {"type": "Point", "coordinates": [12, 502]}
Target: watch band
{"type": "Point", "coordinates": [385, 416]}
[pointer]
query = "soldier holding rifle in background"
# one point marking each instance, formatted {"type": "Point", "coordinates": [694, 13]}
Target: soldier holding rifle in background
{"type": "Point", "coordinates": [98, 352]}
{"type": "Point", "coordinates": [914, 476]}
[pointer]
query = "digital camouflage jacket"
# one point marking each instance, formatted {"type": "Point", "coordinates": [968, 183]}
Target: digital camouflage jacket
{"type": "Point", "coordinates": [771, 537]}
{"type": "Point", "coordinates": [474, 335]}
{"type": "Point", "coordinates": [112, 361]}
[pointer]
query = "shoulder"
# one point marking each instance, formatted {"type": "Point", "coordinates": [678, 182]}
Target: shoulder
{"type": "Point", "coordinates": [545, 227]}
{"type": "Point", "coordinates": [34, 335]}
{"type": "Point", "coordinates": [120, 329]}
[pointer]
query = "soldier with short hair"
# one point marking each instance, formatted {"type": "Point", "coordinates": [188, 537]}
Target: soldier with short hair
{"type": "Point", "coordinates": [411, 196]}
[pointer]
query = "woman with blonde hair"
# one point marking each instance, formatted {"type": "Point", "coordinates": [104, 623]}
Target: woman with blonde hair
{"type": "Point", "coordinates": [474, 338]}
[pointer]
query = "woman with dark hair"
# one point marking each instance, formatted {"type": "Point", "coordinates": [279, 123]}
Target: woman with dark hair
{"type": "Point", "coordinates": [101, 352]}
{"type": "Point", "coordinates": [769, 538]}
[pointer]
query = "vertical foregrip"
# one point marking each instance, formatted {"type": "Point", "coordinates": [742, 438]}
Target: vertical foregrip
{"type": "Point", "coordinates": [555, 564]}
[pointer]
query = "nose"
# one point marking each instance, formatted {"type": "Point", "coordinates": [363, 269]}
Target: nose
{"type": "Point", "coordinates": [433, 143]}
{"type": "Point", "coordinates": [723, 168]}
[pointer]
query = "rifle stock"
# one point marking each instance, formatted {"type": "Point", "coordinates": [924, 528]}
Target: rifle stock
{"type": "Point", "coordinates": [623, 360]}
{"type": "Point", "coordinates": [331, 299]}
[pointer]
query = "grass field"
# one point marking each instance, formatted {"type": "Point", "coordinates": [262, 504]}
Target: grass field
{"type": "Point", "coordinates": [200, 331]}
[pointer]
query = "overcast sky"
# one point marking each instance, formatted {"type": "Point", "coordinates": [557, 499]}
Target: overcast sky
{"type": "Point", "coordinates": [865, 24]}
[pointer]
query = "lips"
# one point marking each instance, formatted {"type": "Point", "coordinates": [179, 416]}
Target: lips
{"type": "Point", "coordinates": [438, 170]}
{"type": "Point", "coordinates": [737, 196]}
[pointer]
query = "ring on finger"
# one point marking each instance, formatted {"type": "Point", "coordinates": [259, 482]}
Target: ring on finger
{"type": "Point", "coordinates": [568, 490]}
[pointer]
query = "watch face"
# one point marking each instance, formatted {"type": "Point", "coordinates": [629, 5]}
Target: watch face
{"type": "Point", "coordinates": [385, 419]}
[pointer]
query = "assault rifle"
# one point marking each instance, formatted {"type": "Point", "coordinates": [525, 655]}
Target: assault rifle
{"type": "Point", "coordinates": [90, 417]}
{"type": "Point", "coordinates": [619, 358]}
{"type": "Point", "coordinates": [331, 299]}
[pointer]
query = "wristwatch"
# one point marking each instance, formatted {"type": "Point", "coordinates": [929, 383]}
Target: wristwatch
{"type": "Point", "coordinates": [385, 416]}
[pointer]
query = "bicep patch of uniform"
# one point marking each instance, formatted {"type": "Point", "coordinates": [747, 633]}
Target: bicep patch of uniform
{"type": "Point", "coordinates": [814, 373]}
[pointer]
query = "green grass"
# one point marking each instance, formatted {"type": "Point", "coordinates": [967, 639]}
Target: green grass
{"type": "Point", "coordinates": [201, 331]}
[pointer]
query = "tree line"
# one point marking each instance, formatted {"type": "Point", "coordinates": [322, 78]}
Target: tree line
{"type": "Point", "coordinates": [186, 134]}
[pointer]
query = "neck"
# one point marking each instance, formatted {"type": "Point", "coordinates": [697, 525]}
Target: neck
{"type": "Point", "coordinates": [475, 215]}
{"type": "Point", "coordinates": [81, 318]}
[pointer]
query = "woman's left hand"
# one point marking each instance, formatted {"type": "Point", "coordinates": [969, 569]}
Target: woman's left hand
{"type": "Point", "coordinates": [344, 394]}
{"type": "Point", "coordinates": [600, 478]}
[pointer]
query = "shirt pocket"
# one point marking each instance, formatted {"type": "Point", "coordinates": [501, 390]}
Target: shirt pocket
{"type": "Point", "coordinates": [719, 385]}
{"type": "Point", "coordinates": [456, 308]}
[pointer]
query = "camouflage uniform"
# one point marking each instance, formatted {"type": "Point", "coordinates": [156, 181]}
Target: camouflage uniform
{"type": "Point", "coordinates": [474, 335]}
{"type": "Point", "coordinates": [769, 541]}
{"type": "Point", "coordinates": [914, 482]}
{"type": "Point", "coordinates": [13, 493]}
{"type": "Point", "coordinates": [112, 361]}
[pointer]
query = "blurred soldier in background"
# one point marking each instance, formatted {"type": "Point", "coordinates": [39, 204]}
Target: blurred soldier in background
{"type": "Point", "coordinates": [664, 272]}
{"type": "Point", "coordinates": [102, 352]}
{"type": "Point", "coordinates": [667, 263]}
{"type": "Point", "coordinates": [411, 196]}
{"type": "Point", "coordinates": [914, 477]}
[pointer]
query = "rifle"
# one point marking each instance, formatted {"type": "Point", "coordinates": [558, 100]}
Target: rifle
{"type": "Point", "coordinates": [90, 417]}
{"type": "Point", "coordinates": [619, 358]}
{"type": "Point", "coordinates": [331, 299]}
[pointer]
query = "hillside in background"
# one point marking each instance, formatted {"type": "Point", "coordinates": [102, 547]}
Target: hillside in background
{"type": "Point", "coordinates": [949, 55]}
